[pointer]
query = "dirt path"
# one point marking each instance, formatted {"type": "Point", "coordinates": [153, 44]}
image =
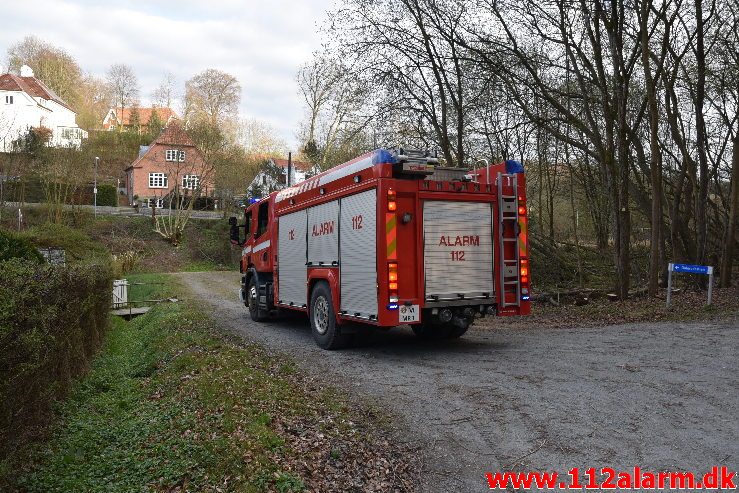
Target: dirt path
{"type": "Point", "coordinates": [660, 396]}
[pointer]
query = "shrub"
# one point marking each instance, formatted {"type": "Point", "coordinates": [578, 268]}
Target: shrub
{"type": "Point", "coordinates": [16, 246]}
{"type": "Point", "coordinates": [77, 245]}
{"type": "Point", "coordinates": [107, 195]}
{"type": "Point", "coordinates": [52, 320]}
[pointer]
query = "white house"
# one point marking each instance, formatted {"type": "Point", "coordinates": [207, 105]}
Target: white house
{"type": "Point", "coordinates": [25, 103]}
{"type": "Point", "coordinates": [273, 176]}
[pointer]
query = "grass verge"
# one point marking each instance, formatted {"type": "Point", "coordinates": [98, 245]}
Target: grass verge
{"type": "Point", "coordinates": [172, 404]}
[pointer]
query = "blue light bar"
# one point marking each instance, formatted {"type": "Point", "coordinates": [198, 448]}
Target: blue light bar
{"type": "Point", "coordinates": [513, 167]}
{"type": "Point", "coordinates": [525, 298]}
{"type": "Point", "coordinates": [254, 200]}
{"type": "Point", "coordinates": [383, 156]}
{"type": "Point", "coordinates": [392, 306]}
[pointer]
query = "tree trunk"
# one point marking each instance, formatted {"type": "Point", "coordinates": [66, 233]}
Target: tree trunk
{"type": "Point", "coordinates": [655, 165]}
{"type": "Point", "coordinates": [700, 124]}
{"type": "Point", "coordinates": [727, 257]}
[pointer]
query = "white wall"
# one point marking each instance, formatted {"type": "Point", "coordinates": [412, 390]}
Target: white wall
{"type": "Point", "coordinates": [27, 112]}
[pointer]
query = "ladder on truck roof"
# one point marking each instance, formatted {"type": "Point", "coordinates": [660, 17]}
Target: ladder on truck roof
{"type": "Point", "coordinates": [508, 266]}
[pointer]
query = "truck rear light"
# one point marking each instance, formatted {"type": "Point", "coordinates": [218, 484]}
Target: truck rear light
{"type": "Point", "coordinates": [522, 210]}
{"type": "Point", "coordinates": [392, 206]}
{"type": "Point", "coordinates": [392, 284]}
{"type": "Point", "coordinates": [524, 271]}
{"type": "Point", "coordinates": [524, 279]}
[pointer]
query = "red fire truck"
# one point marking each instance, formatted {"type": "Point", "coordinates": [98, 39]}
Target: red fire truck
{"type": "Point", "coordinates": [389, 238]}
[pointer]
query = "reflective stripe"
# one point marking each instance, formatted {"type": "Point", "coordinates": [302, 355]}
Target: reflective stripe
{"type": "Point", "coordinates": [523, 237]}
{"type": "Point", "coordinates": [261, 246]}
{"type": "Point", "coordinates": [391, 236]}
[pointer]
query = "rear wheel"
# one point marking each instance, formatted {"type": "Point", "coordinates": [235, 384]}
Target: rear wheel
{"type": "Point", "coordinates": [323, 324]}
{"type": "Point", "coordinates": [429, 330]}
{"type": "Point", "coordinates": [252, 301]}
{"type": "Point", "coordinates": [457, 332]}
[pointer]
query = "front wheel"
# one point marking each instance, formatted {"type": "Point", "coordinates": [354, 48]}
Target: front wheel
{"type": "Point", "coordinates": [252, 301]}
{"type": "Point", "coordinates": [323, 324]}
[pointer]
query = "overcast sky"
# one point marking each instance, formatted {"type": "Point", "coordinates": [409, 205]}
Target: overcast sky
{"type": "Point", "coordinates": [261, 43]}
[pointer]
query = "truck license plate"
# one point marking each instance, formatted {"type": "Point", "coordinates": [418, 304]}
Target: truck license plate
{"type": "Point", "coordinates": [409, 314]}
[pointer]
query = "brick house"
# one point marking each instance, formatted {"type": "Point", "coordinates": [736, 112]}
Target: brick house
{"type": "Point", "coordinates": [128, 118]}
{"type": "Point", "coordinates": [170, 163]}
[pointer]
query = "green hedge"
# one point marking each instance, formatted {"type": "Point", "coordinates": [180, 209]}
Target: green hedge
{"type": "Point", "coordinates": [52, 320]}
{"type": "Point", "coordinates": [107, 195]}
{"type": "Point", "coordinates": [16, 246]}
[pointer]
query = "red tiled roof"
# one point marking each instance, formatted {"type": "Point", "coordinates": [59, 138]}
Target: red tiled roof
{"type": "Point", "coordinates": [144, 115]}
{"type": "Point", "coordinates": [297, 164]}
{"type": "Point", "coordinates": [174, 134]}
{"type": "Point", "coordinates": [31, 86]}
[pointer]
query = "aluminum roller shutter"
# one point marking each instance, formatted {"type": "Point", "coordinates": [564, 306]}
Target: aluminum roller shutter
{"type": "Point", "coordinates": [359, 254]}
{"type": "Point", "coordinates": [291, 257]}
{"type": "Point", "coordinates": [458, 249]}
{"type": "Point", "coordinates": [323, 234]}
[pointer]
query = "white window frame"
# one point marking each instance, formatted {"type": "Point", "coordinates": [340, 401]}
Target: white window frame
{"type": "Point", "coordinates": [158, 180]}
{"type": "Point", "coordinates": [8, 99]}
{"type": "Point", "coordinates": [191, 182]}
{"type": "Point", "coordinates": [174, 155]}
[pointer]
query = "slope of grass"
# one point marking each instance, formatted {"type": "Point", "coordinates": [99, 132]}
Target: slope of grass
{"type": "Point", "coordinates": [173, 405]}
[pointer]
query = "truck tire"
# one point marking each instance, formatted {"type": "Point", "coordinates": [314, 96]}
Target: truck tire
{"type": "Point", "coordinates": [456, 332]}
{"type": "Point", "coordinates": [429, 331]}
{"type": "Point", "coordinates": [322, 316]}
{"type": "Point", "coordinates": [252, 292]}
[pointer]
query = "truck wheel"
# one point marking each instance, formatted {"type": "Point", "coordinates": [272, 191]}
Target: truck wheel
{"type": "Point", "coordinates": [428, 330]}
{"type": "Point", "coordinates": [252, 293]}
{"type": "Point", "coordinates": [456, 332]}
{"type": "Point", "coordinates": [323, 319]}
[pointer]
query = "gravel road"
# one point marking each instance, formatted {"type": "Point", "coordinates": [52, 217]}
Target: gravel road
{"type": "Point", "coordinates": [662, 396]}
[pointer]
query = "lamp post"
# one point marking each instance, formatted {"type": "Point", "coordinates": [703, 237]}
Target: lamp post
{"type": "Point", "coordinates": [95, 186]}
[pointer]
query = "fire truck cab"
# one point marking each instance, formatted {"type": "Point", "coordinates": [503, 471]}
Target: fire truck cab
{"type": "Point", "coordinates": [389, 238]}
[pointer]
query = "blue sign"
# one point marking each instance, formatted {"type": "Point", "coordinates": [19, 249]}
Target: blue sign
{"type": "Point", "coordinates": [692, 269]}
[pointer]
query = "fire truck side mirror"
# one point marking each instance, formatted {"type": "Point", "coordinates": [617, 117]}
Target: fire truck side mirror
{"type": "Point", "coordinates": [234, 231]}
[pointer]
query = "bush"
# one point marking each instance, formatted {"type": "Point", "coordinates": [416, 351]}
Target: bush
{"type": "Point", "coordinates": [77, 245]}
{"type": "Point", "coordinates": [107, 195]}
{"type": "Point", "coordinates": [16, 246]}
{"type": "Point", "coordinates": [52, 320]}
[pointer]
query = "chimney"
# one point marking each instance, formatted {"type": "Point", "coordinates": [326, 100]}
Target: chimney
{"type": "Point", "coordinates": [26, 71]}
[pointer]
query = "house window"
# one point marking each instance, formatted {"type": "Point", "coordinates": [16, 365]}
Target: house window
{"type": "Point", "coordinates": [190, 182]}
{"type": "Point", "coordinates": [8, 99]}
{"type": "Point", "coordinates": [157, 180]}
{"type": "Point", "coordinates": [156, 203]}
{"type": "Point", "coordinates": [174, 155]}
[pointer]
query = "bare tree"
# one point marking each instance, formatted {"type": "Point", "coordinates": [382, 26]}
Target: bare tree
{"type": "Point", "coordinates": [338, 111]}
{"type": "Point", "coordinates": [213, 97]}
{"type": "Point", "coordinates": [52, 65]}
{"type": "Point", "coordinates": [165, 91]}
{"type": "Point", "coordinates": [124, 84]}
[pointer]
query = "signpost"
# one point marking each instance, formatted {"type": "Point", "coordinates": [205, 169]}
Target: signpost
{"type": "Point", "coordinates": [706, 270]}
